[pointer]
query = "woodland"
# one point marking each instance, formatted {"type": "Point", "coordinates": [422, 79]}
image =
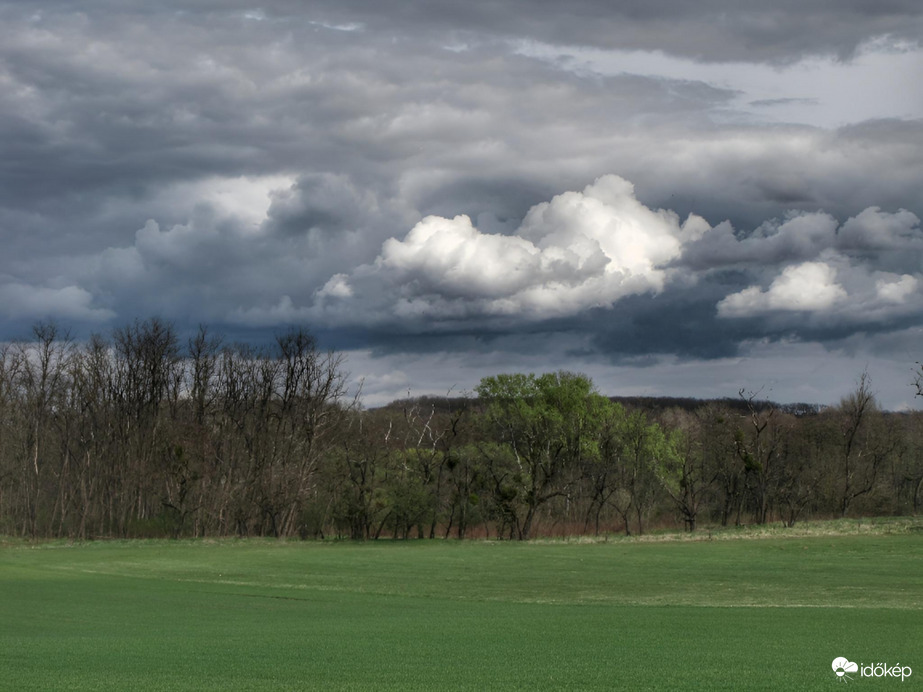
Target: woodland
{"type": "Point", "coordinates": [143, 434]}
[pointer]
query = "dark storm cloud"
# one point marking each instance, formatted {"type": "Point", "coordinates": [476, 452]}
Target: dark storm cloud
{"type": "Point", "coordinates": [677, 322]}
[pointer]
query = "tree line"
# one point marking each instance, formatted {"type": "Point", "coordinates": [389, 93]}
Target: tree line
{"type": "Point", "coordinates": [141, 434]}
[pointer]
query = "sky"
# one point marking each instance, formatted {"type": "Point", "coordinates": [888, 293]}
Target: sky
{"type": "Point", "coordinates": [673, 198]}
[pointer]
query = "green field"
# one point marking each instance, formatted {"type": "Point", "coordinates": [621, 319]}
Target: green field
{"type": "Point", "coordinates": [766, 613]}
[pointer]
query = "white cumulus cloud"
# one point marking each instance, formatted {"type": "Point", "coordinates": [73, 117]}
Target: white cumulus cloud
{"type": "Point", "coordinates": [579, 250]}
{"type": "Point", "coordinates": [899, 290]}
{"type": "Point", "coordinates": [809, 287]}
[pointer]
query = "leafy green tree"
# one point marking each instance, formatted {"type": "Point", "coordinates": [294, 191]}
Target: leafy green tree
{"type": "Point", "coordinates": [410, 490]}
{"type": "Point", "coordinates": [544, 422]}
{"type": "Point", "coordinates": [603, 462]}
{"type": "Point", "coordinates": [647, 451]}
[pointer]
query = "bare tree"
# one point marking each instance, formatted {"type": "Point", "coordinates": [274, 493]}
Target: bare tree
{"type": "Point", "coordinates": [757, 446]}
{"type": "Point", "coordinates": [865, 442]}
{"type": "Point", "coordinates": [43, 369]}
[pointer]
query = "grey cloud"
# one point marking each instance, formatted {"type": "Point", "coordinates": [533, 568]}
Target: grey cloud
{"type": "Point", "coordinates": [712, 30]}
{"type": "Point", "coordinates": [873, 229]}
{"type": "Point", "coordinates": [750, 174]}
{"type": "Point", "coordinates": [207, 93]}
{"type": "Point", "coordinates": [800, 236]}
{"type": "Point", "coordinates": [331, 207]}
{"type": "Point", "coordinates": [190, 95]}
{"type": "Point", "coordinates": [768, 103]}
{"type": "Point", "coordinates": [69, 303]}
{"type": "Point", "coordinates": [880, 236]}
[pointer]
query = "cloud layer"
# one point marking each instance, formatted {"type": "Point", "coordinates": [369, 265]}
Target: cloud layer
{"type": "Point", "coordinates": [634, 183]}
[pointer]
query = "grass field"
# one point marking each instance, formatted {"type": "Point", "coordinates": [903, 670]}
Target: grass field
{"type": "Point", "coordinates": [767, 612]}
